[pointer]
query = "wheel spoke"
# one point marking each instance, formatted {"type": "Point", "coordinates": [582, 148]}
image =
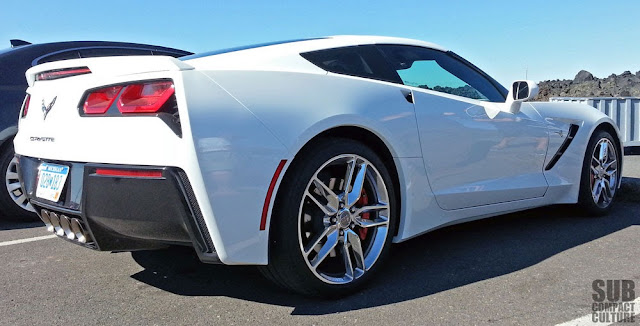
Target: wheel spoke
{"type": "Point", "coordinates": [348, 266]}
{"type": "Point", "coordinates": [316, 241]}
{"type": "Point", "coordinates": [327, 193]}
{"type": "Point", "coordinates": [356, 246]}
{"type": "Point", "coordinates": [594, 171]}
{"type": "Point", "coordinates": [597, 190]}
{"type": "Point", "coordinates": [606, 166]}
{"type": "Point", "coordinates": [380, 221]}
{"type": "Point", "coordinates": [332, 241]}
{"type": "Point", "coordinates": [594, 158]}
{"type": "Point", "coordinates": [21, 200]}
{"type": "Point", "coordinates": [13, 186]}
{"type": "Point", "coordinates": [348, 177]}
{"type": "Point", "coordinates": [604, 152]}
{"type": "Point", "coordinates": [606, 193]}
{"type": "Point", "coordinates": [327, 210]}
{"type": "Point", "coordinates": [356, 191]}
{"type": "Point", "coordinates": [371, 208]}
{"type": "Point", "coordinates": [12, 176]}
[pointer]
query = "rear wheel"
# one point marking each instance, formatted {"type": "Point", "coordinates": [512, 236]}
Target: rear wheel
{"type": "Point", "coordinates": [333, 220]}
{"type": "Point", "coordinates": [13, 201]}
{"type": "Point", "coordinates": [600, 174]}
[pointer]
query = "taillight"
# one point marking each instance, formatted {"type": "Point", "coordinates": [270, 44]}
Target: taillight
{"type": "Point", "coordinates": [99, 101]}
{"type": "Point", "coordinates": [25, 106]}
{"type": "Point", "coordinates": [62, 73]}
{"type": "Point", "coordinates": [146, 97]}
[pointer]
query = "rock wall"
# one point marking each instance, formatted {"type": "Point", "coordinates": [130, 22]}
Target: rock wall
{"type": "Point", "coordinates": [586, 85]}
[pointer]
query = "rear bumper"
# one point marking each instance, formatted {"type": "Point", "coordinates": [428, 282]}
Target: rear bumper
{"type": "Point", "coordinates": [125, 213]}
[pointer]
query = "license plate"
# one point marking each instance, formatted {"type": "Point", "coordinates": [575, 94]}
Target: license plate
{"type": "Point", "coordinates": [51, 179]}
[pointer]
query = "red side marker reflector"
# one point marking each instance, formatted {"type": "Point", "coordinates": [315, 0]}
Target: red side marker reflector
{"type": "Point", "coordinates": [267, 200]}
{"type": "Point", "coordinates": [130, 173]}
{"type": "Point", "coordinates": [25, 108]}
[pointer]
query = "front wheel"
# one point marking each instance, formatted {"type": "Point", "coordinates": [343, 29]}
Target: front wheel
{"type": "Point", "coordinates": [333, 220]}
{"type": "Point", "coordinates": [600, 174]}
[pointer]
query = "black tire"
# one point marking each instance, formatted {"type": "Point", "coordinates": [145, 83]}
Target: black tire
{"type": "Point", "coordinates": [9, 210]}
{"type": "Point", "coordinates": [586, 201]}
{"type": "Point", "coordinates": [287, 266]}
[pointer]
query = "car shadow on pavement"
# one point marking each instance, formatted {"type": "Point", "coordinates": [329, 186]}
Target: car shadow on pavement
{"type": "Point", "coordinates": [438, 261]}
{"type": "Point", "coordinates": [14, 225]}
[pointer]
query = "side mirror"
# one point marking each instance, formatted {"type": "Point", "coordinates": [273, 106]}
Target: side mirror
{"type": "Point", "coordinates": [521, 90]}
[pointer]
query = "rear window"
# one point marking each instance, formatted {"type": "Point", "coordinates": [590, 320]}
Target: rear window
{"type": "Point", "coordinates": [360, 61]}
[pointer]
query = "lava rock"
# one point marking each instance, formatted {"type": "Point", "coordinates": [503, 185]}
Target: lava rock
{"type": "Point", "coordinates": [583, 76]}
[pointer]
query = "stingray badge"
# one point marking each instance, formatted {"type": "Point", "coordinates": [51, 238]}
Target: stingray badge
{"type": "Point", "coordinates": [47, 108]}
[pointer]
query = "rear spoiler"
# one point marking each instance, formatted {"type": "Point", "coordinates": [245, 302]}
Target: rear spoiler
{"type": "Point", "coordinates": [112, 66]}
{"type": "Point", "coordinates": [16, 43]}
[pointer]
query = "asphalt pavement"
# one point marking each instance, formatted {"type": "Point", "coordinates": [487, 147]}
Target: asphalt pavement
{"type": "Point", "coordinates": [529, 268]}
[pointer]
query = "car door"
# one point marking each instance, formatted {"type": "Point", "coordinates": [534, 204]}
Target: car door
{"type": "Point", "coordinates": [471, 159]}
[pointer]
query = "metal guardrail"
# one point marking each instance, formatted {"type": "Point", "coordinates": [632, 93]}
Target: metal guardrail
{"type": "Point", "coordinates": [625, 111]}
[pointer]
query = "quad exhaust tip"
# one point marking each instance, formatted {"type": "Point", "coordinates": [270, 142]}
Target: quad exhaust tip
{"type": "Point", "coordinates": [55, 221]}
{"type": "Point", "coordinates": [64, 226]}
{"type": "Point", "coordinates": [78, 231]}
{"type": "Point", "coordinates": [44, 216]}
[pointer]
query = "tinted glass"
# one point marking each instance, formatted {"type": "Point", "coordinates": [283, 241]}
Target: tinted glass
{"type": "Point", "coordinates": [360, 61]}
{"type": "Point", "coordinates": [65, 55]}
{"type": "Point", "coordinates": [520, 90]}
{"type": "Point", "coordinates": [436, 70]}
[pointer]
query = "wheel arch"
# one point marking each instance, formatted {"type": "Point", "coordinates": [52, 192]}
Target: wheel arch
{"type": "Point", "coordinates": [613, 130]}
{"type": "Point", "coordinates": [6, 137]}
{"type": "Point", "coordinates": [362, 135]}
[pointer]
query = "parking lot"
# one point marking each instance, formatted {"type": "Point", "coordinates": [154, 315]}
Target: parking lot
{"type": "Point", "coordinates": [528, 268]}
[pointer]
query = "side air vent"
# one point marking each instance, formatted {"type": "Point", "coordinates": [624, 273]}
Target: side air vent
{"type": "Point", "coordinates": [573, 129]}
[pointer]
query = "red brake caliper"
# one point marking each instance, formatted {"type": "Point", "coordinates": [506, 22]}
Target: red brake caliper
{"type": "Point", "coordinates": [363, 201]}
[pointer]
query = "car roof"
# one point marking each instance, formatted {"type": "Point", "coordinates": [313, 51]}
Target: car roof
{"type": "Point", "coordinates": [319, 43]}
{"type": "Point", "coordinates": [371, 39]}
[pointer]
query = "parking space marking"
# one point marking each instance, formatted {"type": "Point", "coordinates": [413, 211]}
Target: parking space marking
{"type": "Point", "coordinates": [13, 242]}
{"type": "Point", "coordinates": [588, 319]}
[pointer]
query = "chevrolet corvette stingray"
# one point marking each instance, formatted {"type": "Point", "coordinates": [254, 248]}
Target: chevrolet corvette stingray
{"type": "Point", "coordinates": [306, 157]}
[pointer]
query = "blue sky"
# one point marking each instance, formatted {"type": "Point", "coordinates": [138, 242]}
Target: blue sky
{"type": "Point", "coordinates": [549, 39]}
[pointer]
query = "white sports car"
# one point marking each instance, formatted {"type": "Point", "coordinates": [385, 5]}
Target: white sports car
{"type": "Point", "coordinates": [308, 157]}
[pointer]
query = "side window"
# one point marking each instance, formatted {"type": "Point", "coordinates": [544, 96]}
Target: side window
{"type": "Point", "coordinates": [66, 55]}
{"type": "Point", "coordinates": [436, 70]}
{"type": "Point", "coordinates": [111, 52]}
{"type": "Point", "coordinates": [360, 61]}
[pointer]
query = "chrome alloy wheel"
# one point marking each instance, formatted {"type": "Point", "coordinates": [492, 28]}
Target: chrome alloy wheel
{"type": "Point", "coordinates": [604, 173]}
{"type": "Point", "coordinates": [343, 219]}
{"type": "Point", "coordinates": [14, 187]}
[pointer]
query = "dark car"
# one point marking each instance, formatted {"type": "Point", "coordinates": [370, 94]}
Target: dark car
{"type": "Point", "coordinates": [14, 62]}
